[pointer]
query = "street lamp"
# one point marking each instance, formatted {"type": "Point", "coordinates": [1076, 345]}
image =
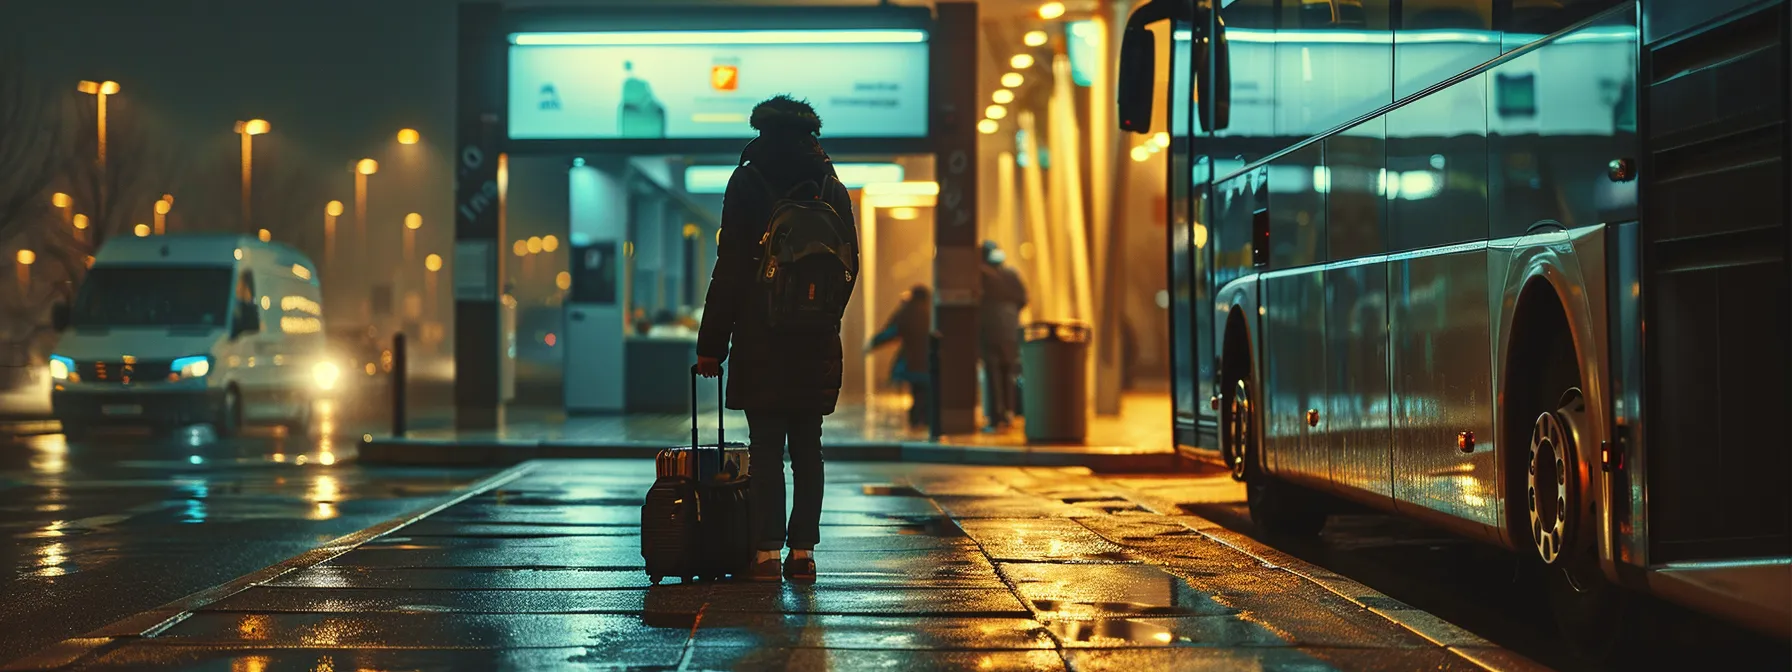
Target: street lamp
{"type": "Point", "coordinates": [79, 221]}
{"type": "Point", "coordinates": [249, 129]}
{"type": "Point", "coordinates": [26, 259]}
{"type": "Point", "coordinates": [363, 169]}
{"type": "Point", "coordinates": [66, 204]}
{"type": "Point", "coordinates": [1035, 38]}
{"type": "Point", "coordinates": [163, 206]}
{"type": "Point", "coordinates": [408, 136]}
{"type": "Point", "coordinates": [412, 222]}
{"type": "Point", "coordinates": [1021, 61]}
{"type": "Point", "coordinates": [99, 91]}
{"type": "Point", "coordinates": [549, 243]}
{"type": "Point", "coordinates": [431, 263]}
{"type": "Point", "coordinates": [1051, 10]}
{"type": "Point", "coordinates": [1013, 80]}
{"type": "Point", "coordinates": [142, 230]}
{"type": "Point", "coordinates": [332, 210]}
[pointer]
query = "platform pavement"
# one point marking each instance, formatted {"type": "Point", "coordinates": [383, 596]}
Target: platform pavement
{"type": "Point", "coordinates": [921, 567]}
{"type": "Point", "coordinates": [1138, 439]}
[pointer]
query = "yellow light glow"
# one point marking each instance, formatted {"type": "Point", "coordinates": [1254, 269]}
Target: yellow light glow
{"type": "Point", "coordinates": [904, 213]}
{"type": "Point", "coordinates": [162, 207]}
{"type": "Point", "coordinates": [1140, 153]}
{"type": "Point", "coordinates": [988, 126]}
{"type": "Point", "coordinates": [325, 374]}
{"type": "Point", "coordinates": [253, 127]}
{"type": "Point", "coordinates": [521, 248]}
{"type": "Point", "coordinates": [1162, 140]}
{"type": "Point", "coordinates": [300, 304]}
{"type": "Point", "coordinates": [108, 87]}
{"type": "Point", "coordinates": [1035, 38]}
{"type": "Point", "coordinates": [264, 234]}
{"type": "Point", "coordinates": [1200, 236]}
{"type": "Point", "coordinates": [333, 208]}
{"type": "Point", "coordinates": [1051, 10]}
{"type": "Point", "coordinates": [1002, 96]}
{"type": "Point", "coordinates": [433, 262]}
{"type": "Point", "coordinates": [367, 166]}
{"type": "Point", "coordinates": [80, 221]}
{"type": "Point", "coordinates": [1021, 61]}
{"type": "Point", "coordinates": [299, 325]}
{"type": "Point", "coordinates": [408, 136]}
{"type": "Point", "coordinates": [302, 272]}
{"type": "Point", "coordinates": [549, 243]}
{"type": "Point", "coordinates": [370, 368]}
{"type": "Point", "coordinates": [995, 112]}
{"type": "Point", "coordinates": [61, 200]}
{"type": "Point", "coordinates": [534, 244]}
{"type": "Point", "coordinates": [563, 280]}
{"type": "Point", "coordinates": [266, 303]}
{"type": "Point", "coordinates": [238, 253]}
{"type": "Point", "coordinates": [413, 221]}
{"type": "Point", "coordinates": [27, 257]}
{"type": "Point", "coordinates": [169, 198]}
{"type": "Point", "coordinates": [1013, 80]}
{"type": "Point", "coordinates": [142, 230]}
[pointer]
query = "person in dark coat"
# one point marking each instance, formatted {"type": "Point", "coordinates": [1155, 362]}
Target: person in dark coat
{"type": "Point", "coordinates": [784, 382]}
{"type": "Point", "coordinates": [1004, 295]}
{"type": "Point", "coordinates": [911, 325]}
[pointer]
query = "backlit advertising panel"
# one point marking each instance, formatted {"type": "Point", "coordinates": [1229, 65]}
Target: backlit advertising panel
{"type": "Point", "coordinates": [704, 84]}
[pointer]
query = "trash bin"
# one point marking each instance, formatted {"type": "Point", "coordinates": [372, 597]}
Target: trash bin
{"type": "Point", "coordinates": [1054, 357]}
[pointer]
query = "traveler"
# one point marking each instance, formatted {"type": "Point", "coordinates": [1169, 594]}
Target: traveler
{"type": "Point", "coordinates": [1004, 295]}
{"type": "Point", "coordinates": [784, 339]}
{"type": "Point", "coordinates": [911, 325]}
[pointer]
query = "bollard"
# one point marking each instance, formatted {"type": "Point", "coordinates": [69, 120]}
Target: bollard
{"type": "Point", "coordinates": [398, 372]}
{"type": "Point", "coordinates": [933, 374]}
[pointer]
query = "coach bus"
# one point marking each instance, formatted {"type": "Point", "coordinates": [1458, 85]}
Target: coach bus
{"type": "Point", "coordinates": [1516, 268]}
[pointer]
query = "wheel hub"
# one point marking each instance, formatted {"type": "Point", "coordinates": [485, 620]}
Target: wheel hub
{"type": "Point", "coordinates": [1238, 429]}
{"type": "Point", "coordinates": [1547, 485]}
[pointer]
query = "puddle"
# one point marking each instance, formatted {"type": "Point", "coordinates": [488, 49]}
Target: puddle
{"type": "Point", "coordinates": [944, 528]}
{"type": "Point", "coordinates": [1116, 631]}
{"type": "Point", "coordinates": [887, 490]}
{"type": "Point", "coordinates": [1101, 591]}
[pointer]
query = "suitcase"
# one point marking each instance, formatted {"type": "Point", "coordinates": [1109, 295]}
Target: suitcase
{"type": "Point", "coordinates": [697, 520]}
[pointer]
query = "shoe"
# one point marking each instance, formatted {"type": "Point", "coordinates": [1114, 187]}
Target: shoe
{"type": "Point", "coordinates": [764, 570]}
{"type": "Point", "coordinates": [800, 569]}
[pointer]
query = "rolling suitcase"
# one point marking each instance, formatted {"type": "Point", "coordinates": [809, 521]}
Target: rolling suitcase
{"type": "Point", "coordinates": [697, 519]}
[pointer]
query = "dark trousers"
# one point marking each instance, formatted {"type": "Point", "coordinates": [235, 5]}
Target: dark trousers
{"type": "Point", "coordinates": [770, 432]}
{"type": "Point", "coordinates": [920, 409]}
{"type": "Point", "coordinates": [999, 393]}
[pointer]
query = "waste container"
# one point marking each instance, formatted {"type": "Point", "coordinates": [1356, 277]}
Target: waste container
{"type": "Point", "coordinates": [1054, 356]}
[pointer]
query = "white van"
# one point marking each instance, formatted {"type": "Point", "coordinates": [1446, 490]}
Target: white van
{"type": "Point", "coordinates": [177, 330]}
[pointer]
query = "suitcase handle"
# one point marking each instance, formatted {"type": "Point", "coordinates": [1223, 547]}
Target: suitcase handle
{"type": "Point", "coordinates": [721, 411]}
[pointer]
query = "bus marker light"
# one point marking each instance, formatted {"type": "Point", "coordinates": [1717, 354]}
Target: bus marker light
{"type": "Point", "coordinates": [1465, 441]}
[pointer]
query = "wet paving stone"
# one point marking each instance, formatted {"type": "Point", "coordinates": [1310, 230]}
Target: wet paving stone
{"type": "Point", "coordinates": [815, 660]}
{"type": "Point", "coordinates": [1043, 539]}
{"type": "Point", "coordinates": [1020, 506]}
{"type": "Point", "coordinates": [797, 599]}
{"type": "Point", "coordinates": [973, 486]}
{"type": "Point", "coordinates": [623, 637]}
{"type": "Point", "coordinates": [432, 527]}
{"type": "Point", "coordinates": [750, 631]}
{"type": "Point", "coordinates": [206, 659]}
{"type": "Point", "coordinates": [627, 556]}
{"type": "Point", "coordinates": [572, 515]}
{"type": "Point", "coordinates": [866, 518]}
{"type": "Point", "coordinates": [1279, 659]}
{"type": "Point", "coordinates": [1058, 591]}
{"type": "Point", "coordinates": [327, 576]}
{"type": "Point", "coordinates": [559, 543]}
{"type": "Point", "coordinates": [335, 600]}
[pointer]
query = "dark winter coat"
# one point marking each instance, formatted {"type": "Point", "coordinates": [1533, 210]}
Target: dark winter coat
{"type": "Point", "coordinates": [999, 316]}
{"type": "Point", "coordinates": [911, 324]}
{"type": "Point", "coordinates": [767, 371]}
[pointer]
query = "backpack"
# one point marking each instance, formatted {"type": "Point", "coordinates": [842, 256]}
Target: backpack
{"type": "Point", "coordinates": [808, 262]}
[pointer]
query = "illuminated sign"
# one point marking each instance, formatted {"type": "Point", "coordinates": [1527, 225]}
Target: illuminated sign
{"type": "Point", "coordinates": [714, 179]}
{"type": "Point", "coordinates": [704, 84]}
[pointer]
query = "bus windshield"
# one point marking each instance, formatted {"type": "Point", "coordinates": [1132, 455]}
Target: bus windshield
{"type": "Point", "coordinates": [153, 296]}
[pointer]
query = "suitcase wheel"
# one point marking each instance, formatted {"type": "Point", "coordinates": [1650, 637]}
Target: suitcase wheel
{"type": "Point", "coordinates": [655, 578]}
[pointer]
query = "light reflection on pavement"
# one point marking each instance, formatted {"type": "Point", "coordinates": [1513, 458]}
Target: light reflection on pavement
{"type": "Point", "coordinates": [126, 522]}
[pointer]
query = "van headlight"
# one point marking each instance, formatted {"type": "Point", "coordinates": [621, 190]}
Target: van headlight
{"type": "Point", "coordinates": [192, 367]}
{"type": "Point", "coordinates": [61, 368]}
{"type": "Point", "coordinates": [326, 374]}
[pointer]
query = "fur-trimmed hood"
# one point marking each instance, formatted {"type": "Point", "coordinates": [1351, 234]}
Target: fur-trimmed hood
{"type": "Point", "coordinates": [782, 114]}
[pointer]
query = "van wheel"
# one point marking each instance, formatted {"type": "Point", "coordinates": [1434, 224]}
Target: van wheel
{"type": "Point", "coordinates": [1278, 508]}
{"type": "Point", "coordinates": [230, 415]}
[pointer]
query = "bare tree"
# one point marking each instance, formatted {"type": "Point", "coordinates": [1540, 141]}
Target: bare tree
{"type": "Point", "coordinates": [30, 136]}
{"type": "Point", "coordinates": [138, 169]}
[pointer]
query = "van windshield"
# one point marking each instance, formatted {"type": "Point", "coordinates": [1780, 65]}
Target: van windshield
{"type": "Point", "coordinates": [153, 296]}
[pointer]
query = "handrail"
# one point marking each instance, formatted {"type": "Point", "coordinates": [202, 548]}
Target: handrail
{"type": "Point", "coordinates": [1484, 68]}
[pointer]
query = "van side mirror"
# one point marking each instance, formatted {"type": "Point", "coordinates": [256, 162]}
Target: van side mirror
{"type": "Point", "coordinates": [1213, 94]}
{"type": "Point", "coordinates": [1138, 74]}
{"type": "Point", "coordinates": [248, 320]}
{"type": "Point", "coordinates": [59, 316]}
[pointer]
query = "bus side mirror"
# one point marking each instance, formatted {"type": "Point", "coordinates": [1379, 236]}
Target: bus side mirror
{"type": "Point", "coordinates": [59, 316]}
{"type": "Point", "coordinates": [1138, 74]}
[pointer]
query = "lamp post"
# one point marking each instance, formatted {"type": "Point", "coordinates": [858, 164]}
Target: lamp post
{"type": "Point", "coordinates": [412, 222]}
{"type": "Point", "coordinates": [433, 264]}
{"type": "Point", "coordinates": [79, 221]}
{"type": "Point", "coordinates": [163, 207]}
{"type": "Point", "coordinates": [332, 210]}
{"type": "Point", "coordinates": [363, 169]}
{"type": "Point", "coordinates": [26, 259]}
{"type": "Point", "coordinates": [249, 129]}
{"type": "Point", "coordinates": [66, 204]}
{"type": "Point", "coordinates": [99, 90]}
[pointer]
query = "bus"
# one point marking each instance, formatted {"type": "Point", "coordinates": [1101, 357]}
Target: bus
{"type": "Point", "coordinates": [1514, 268]}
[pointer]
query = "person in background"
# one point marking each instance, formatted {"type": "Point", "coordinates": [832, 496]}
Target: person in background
{"type": "Point", "coordinates": [1004, 295]}
{"type": "Point", "coordinates": [786, 382]}
{"type": "Point", "coordinates": [911, 325]}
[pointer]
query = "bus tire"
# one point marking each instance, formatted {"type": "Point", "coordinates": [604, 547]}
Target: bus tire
{"type": "Point", "coordinates": [1278, 508]}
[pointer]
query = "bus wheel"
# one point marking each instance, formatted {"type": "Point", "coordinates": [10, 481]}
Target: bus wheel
{"type": "Point", "coordinates": [1598, 621]}
{"type": "Point", "coordinates": [1278, 508]}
